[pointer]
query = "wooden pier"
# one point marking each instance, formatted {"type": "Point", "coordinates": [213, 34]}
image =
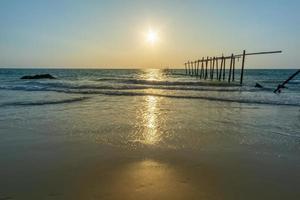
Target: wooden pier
{"type": "Point", "coordinates": [214, 68]}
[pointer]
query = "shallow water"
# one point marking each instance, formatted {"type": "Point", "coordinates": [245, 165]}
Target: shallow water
{"type": "Point", "coordinates": [129, 123]}
{"type": "Point", "coordinates": [152, 100]}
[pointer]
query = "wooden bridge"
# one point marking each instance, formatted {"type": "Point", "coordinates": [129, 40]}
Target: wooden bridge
{"type": "Point", "coordinates": [214, 68]}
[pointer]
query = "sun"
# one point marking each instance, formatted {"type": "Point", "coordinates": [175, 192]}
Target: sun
{"type": "Point", "coordinates": [152, 36]}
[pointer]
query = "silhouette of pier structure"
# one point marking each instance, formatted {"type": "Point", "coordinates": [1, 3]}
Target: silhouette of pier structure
{"type": "Point", "coordinates": [214, 68]}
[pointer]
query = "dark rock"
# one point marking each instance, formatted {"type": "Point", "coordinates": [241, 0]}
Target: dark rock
{"type": "Point", "coordinates": [257, 85]}
{"type": "Point", "coordinates": [39, 76]}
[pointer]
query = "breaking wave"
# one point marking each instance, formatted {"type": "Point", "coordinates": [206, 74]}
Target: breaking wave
{"type": "Point", "coordinates": [41, 103]}
{"type": "Point", "coordinates": [166, 83]}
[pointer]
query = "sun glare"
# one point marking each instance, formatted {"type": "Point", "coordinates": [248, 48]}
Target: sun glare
{"type": "Point", "coordinates": [152, 36]}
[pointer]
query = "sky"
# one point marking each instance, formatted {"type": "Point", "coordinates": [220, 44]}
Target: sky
{"type": "Point", "coordinates": [114, 33]}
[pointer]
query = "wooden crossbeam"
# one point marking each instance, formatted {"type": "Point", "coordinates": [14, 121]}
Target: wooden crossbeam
{"type": "Point", "coordinates": [239, 55]}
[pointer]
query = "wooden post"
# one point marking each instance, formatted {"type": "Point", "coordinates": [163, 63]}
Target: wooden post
{"type": "Point", "coordinates": [198, 62]}
{"type": "Point", "coordinates": [281, 86]}
{"type": "Point", "coordinates": [221, 66]}
{"type": "Point", "coordinates": [230, 68]}
{"type": "Point", "coordinates": [195, 66]}
{"type": "Point", "coordinates": [233, 69]}
{"type": "Point", "coordinates": [243, 66]}
{"type": "Point", "coordinates": [217, 70]}
{"type": "Point", "coordinates": [192, 68]}
{"type": "Point", "coordinates": [202, 68]}
{"type": "Point", "coordinates": [206, 66]}
{"type": "Point", "coordinates": [187, 66]}
{"type": "Point", "coordinates": [213, 68]}
{"type": "Point", "coordinates": [210, 67]}
{"type": "Point", "coordinates": [224, 67]}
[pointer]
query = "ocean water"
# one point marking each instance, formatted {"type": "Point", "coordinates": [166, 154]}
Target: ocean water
{"type": "Point", "coordinates": [155, 107]}
{"type": "Point", "coordinates": [48, 126]}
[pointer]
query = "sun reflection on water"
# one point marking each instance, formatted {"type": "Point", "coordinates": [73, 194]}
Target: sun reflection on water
{"type": "Point", "coordinates": [152, 75]}
{"type": "Point", "coordinates": [151, 135]}
{"type": "Point", "coordinates": [149, 117]}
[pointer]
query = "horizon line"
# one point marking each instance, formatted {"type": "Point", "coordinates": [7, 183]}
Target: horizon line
{"type": "Point", "coordinates": [128, 68]}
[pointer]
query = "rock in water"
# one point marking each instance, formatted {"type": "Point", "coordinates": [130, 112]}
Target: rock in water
{"type": "Point", "coordinates": [39, 76]}
{"type": "Point", "coordinates": [257, 85]}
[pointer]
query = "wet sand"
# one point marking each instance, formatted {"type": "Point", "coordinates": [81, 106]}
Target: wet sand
{"type": "Point", "coordinates": [77, 170]}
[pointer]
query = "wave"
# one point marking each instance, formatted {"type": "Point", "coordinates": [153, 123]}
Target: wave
{"type": "Point", "coordinates": [199, 97]}
{"type": "Point", "coordinates": [143, 93]}
{"type": "Point", "coordinates": [168, 83]}
{"type": "Point", "coordinates": [41, 103]}
{"type": "Point", "coordinates": [286, 134]}
{"type": "Point", "coordinates": [294, 82]}
{"type": "Point", "coordinates": [61, 86]}
{"type": "Point", "coordinates": [129, 93]}
{"type": "Point", "coordinates": [136, 87]}
{"type": "Point", "coordinates": [121, 91]}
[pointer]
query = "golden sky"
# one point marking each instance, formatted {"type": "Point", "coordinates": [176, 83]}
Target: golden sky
{"type": "Point", "coordinates": [115, 34]}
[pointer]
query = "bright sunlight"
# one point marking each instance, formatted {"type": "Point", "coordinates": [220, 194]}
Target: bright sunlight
{"type": "Point", "coordinates": [152, 36]}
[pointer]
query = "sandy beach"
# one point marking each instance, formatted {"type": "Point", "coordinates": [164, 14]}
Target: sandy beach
{"type": "Point", "coordinates": [78, 170]}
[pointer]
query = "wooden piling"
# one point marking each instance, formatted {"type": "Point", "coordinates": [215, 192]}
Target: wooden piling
{"type": "Point", "coordinates": [210, 64]}
{"type": "Point", "coordinates": [224, 67]}
{"type": "Point", "coordinates": [213, 68]}
{"type": "Point", "coordinates": [281, 86]}
{"type": "Point", "coordinates": [210, 68]}
{"type": "Point", "coordinates": [195, 66]}
{"type": "Point", "coordinates": [217, 70]}
{"type": "Point", "coordinates": [206, 66]}
{"type": "Point", "coordinates": [233, 69]}
{"type": "Point", "coordinates": [203, 71]}
{"type": "Point", "coordinates": [202, 68]}
{"type": "Point", "coordinates": [192, 68]}
{"type": "Point", "coordinates": [230, 68]}
{"type": "Point", "coordinates": [192, 65]}
{"type": "Point", "coordinates": [243, 66]}
{"type": "Point", "coordinates": [198, 61]}
{"type": "Point", "coordinates": [221, 66]}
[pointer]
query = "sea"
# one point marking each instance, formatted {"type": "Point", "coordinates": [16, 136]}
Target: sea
{"type": "Point", "coordinates": [119, 107]}
{"type": "Point", "coordinates": [151, 111]}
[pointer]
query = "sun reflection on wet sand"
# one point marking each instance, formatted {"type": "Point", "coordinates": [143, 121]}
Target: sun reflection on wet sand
{"type": "Point", "coordinates": [148, 178]}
